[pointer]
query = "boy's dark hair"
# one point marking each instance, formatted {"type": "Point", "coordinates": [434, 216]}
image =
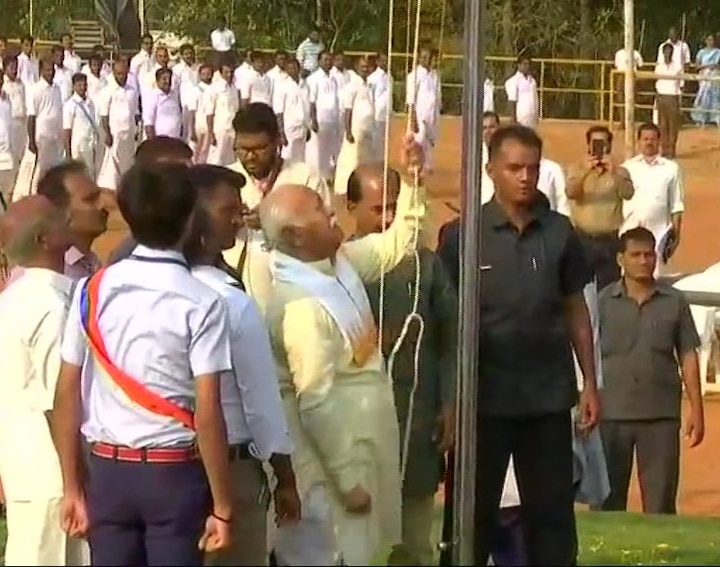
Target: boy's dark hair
{"type": "Point", "coordinates": [157, 203]}
{"type": "Point", "coordinates": [256, 118]}
{"type": "Point", "coordinates": [639, 234]}
{"type": "Point", "coordinates": [79, 78]}
{"type": "Point", "coordinates": [516, 133]}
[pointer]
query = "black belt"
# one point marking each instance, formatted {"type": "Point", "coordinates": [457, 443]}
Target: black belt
{"type": "Point", "coordinates": [240, 452]}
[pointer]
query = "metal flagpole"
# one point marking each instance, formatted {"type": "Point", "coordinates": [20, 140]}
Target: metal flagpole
{"type": "Point", "coordinates": [141, 16]}
{"type": "Point", "coordinates": [629, 23]}
{"type": "Point", "coordinates": [464, 500]}
{"type": "Point", "coordinates": [31, 16]}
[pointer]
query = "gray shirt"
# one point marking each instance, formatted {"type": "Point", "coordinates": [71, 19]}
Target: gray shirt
{"type": "Point", "coordinates": [642, 346]}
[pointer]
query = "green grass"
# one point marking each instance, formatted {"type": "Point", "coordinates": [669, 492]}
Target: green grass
{"type": "Point", "coordinates": [633, 539]}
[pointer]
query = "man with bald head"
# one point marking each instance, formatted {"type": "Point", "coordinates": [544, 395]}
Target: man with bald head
{"type": "Point", "coordinates": [338, 401]}
{"type": "Point", "coordinates": [35, 237]}
{"type": "Point", "coordinates": [431, 432]}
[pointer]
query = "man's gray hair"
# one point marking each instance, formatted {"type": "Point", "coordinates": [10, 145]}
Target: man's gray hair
{"type": "Point", "coordinates": [25, 245]}
{"type": "Point", "coordinates": [275, 219]}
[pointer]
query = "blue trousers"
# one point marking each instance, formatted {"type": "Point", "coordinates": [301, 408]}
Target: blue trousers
{"type": "Point", "coordinates": [146, 514]}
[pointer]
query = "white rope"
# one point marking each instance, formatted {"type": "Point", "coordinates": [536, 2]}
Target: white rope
{"type": "Point", "coordinates": [413, 315]}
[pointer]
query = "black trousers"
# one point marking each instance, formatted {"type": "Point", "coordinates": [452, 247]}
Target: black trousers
{"type": "Point", "coordinates": [542, 451]}
{"type": "Point", "coordinates": [601, 251]}
{"type": "Point", "coordinates": [657, 445]}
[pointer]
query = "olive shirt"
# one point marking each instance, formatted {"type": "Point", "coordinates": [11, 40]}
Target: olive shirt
{"type": "Point", "coordinates": [599, 208]}
{"type": "Point", "coordinates": [641, 347]}
{"type": "Point", "coordinates": [437, 368]}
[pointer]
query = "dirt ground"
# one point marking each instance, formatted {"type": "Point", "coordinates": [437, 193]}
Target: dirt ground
{"type": "Point", "coordinates": [699, 152]}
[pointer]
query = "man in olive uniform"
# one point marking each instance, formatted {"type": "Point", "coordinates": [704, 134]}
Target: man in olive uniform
{"type": "Point", "coordinates": [431, 426]}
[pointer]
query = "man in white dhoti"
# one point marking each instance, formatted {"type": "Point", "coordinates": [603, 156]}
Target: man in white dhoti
{"type": "Point", "coordinates": [13, 87]}
{"type": "Point", "coordinates": [187, 69]}
{"type": "Point", "coordinates": [223, 104]}
{"type": "Point", "coordinates": [244, 67]}
{"type": "Point", "coordinates": [71, 60]}
{"type": "Point", "coordinates": [44, 127]}
{"type": "Point", "coordinates": [277, 73]}
{"type": "Point", "coordinates": [118, 107]}
{"type": "Point", "coordinates": [7, 162]}
{"type": "Point", "coordinates": [80, 127]}
{"type": "Point", "coordinates": [34, 236]}
{"type": "Point", "coordinates": [196, 101]}
{"type": "Point", "coordinates": [381, 83]}
{"type": "Point", "coordinates": [658, 202]}
{"type": "Point", "coordinates": [340, 72]}
{"type": "Point", "coordinates": [254, 84]}
{"type": "Point", "coordinates": [144, 57]}
{"type": "Point", "coordinates": [291, 104]}
{"type": "Point", "coordinates": [257, 145]}
{"type": "Point", "coordinates": [522, 94]}
{"type": "Point", "coordinates": [325, 117]}
{"type": "Point", "coordinates": [98, 52]}
{"type": "Point", "coordinates": [96, 80]}
{"type": "Point", "coordinates": [28, 65]}
{"type": "Point", "coordinates": [63, 75]}
{"type": "Point", "coordinates": [161, 111]}
{"type": "Point", "coordinates": [423, 97]}
{"type": "Point", "coordinates": [338, 400]}
{"type": "Point", "coordinates": [147, 73]}
{"type": "Point", "coordinates": [358, 105]}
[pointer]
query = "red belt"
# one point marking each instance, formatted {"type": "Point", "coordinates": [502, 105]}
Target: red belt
{"type": "Point", "coordinates": [126, 454]}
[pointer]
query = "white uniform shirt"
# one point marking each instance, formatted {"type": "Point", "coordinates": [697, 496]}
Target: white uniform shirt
{"type": "Point", "coordinates": [15, 91]}
{"type": "Point", "coordinates": [620, 60]}
{"type": "Point", "coordinates": [276, 74]}
{"type": "Point", "coordinates": [198, 101]}
{"type": "Point", "coordinates": [487, 187]}
{"type": "Point", "coordinates": [358, 97]}
{"type": "Point", "coordinates": [659, 194]}
{"type": "Point", "coordinates": [551, 181]}
{"type": "Point", "coordinates": [6, 149]}
{"type": "Point", "coordinates": [184, 74]}
{"type": "Point", "coordinates": [28, 69]}
{"type": "Point", "coordinates": [256, 87]}
{"type": "Point", "coordinates": [381, 84]}
{"type": "Point", "coordinates": [423, 92]}
{"type": "Point", "coordinates": [162, 111]}
{"type": "Point", "coordinates": [292, 100]}
{"type": "Point", "coordinates": [250, 393]}
{"type": "Point", "coordinates": [239, 73]}
{"type": "Point", "coordinates": [63, 79]}
{"type": "Point", "coordinates": [72, 61]}
{"type": "Point", "coordinates": [681, 52]}
{"type": "Point", "coordinates": [120, 106]}
{"type": "Point", "coordinates": [325, 95]}
{"type": "Point", "coordinates": [222, 40]}
{"type": "Point", "coordinates": [95, 85]}
{"type": "Point", "coordinates": [488, 96]}
{"type": "Point", "coordinates": [672, 87]}
{"type": "Point", "coordinates": [342, 78]}
{"type": "Point", "coordinates": [105, 70]}
{"type": "Point", "coordinates": [187, 336]}
{"type": "Point", "coordinates": [37, 305]}
{"type": "Point", "coordinates": [79, 116]}
{"type": "Point", "coordinates": [223, 104]}
{"type": "Point", "coordinates": [141, 59]}
{"type": "Point", "coordinates": [45, 102]}
{"type": "Point", "coordinates": [522, 90]}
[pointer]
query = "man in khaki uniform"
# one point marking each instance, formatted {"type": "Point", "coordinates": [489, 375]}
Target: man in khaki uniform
{"type": "Point", "coordinates": [339, 402]}
{"type": "Point", "coordinates": [34, 236]}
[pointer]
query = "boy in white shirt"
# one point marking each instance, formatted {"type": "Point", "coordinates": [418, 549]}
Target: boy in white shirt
{"type": "Point", "coordinates": [255, 85]}
{"type": "Point", "coordinates": [522, 94]}
{"type": "Point", "coordinates": [80, 126]}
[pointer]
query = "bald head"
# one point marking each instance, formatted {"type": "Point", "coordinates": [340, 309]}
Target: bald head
{"type": "Point", "coordinates": [372, 205]}
{"type": "Point", "coordinates": [33, 227]}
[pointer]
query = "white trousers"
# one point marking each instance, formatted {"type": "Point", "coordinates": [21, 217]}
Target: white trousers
{"type": "Point", "coordinates": [295, 149]}
{"type": "Point", "coordinates": [322, 150]}
{"type": "Point", "coordinates": [34, 536]}
{"type": "Point", "coordinates": [117, 159]}
{"type": "Point", "coordinates": [222, 153]}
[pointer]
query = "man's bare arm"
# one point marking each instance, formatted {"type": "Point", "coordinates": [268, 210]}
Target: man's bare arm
{"type": "Point", "coordinates": [65, 422]}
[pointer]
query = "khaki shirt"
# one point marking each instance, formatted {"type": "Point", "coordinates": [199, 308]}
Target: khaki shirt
{"type": "Point", "coordinates": [598, 209]}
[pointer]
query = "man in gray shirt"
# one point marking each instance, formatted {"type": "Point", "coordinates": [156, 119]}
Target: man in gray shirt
{"type": "Point", "coordinates": [646, 332]}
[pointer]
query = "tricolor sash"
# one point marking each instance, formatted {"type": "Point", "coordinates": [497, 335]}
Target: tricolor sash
{"type": "Point", "coordinates": [134, 390]}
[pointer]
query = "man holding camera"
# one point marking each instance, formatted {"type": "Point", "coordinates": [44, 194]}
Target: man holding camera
{"type": "Point", "coordinates": [596, 189]}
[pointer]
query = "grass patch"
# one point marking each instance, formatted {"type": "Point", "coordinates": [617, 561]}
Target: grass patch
{"type": "Point", "coordinates": [629, 539]}
{"type": "Point", "coordinates": [636, 539]}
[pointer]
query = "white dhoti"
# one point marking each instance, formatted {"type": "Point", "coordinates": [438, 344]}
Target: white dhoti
{"type": "Point", "coordinates": [352, 155]}
{"type": "Point", "coordinates": [86, 151]}
{"type": "Point", "coordinates": [379, 140]}
{"type": "Point", "coordinates": [201, 148]}
{"type": "Point", "coordinates": [18, 139]}
{"type": "Point", "coordinates": [322, 149]}
{"type": "Point", "coordinates": [117, 159]}
{"type": "Point", "coordinates": [7, 182]}
{"type": "Point", "coordinates": [426, 136]}
{"type": "Point", "coordinates": [529, 120]}
{"type": "Point", "coordinates": [295, 149]}
{"type": "Point", "coordinates": [223, 152]}
{"type": "Point", "coordinates": [27, 176]}
{"type": "Point", "coordinates": [34, 536]}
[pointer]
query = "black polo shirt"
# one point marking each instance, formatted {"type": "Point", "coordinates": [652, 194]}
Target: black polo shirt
{"type": "Point", "coordinates": [642, 346]}
{"type": "Point", "coordinates": [526, 363]}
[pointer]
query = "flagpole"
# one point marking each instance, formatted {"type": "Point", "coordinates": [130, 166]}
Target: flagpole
{"type": "Point", "coordinates": [464, 500]}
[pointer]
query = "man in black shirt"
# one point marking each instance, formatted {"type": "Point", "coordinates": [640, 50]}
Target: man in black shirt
{"type": "Point", "coordinates": [532, 315]}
